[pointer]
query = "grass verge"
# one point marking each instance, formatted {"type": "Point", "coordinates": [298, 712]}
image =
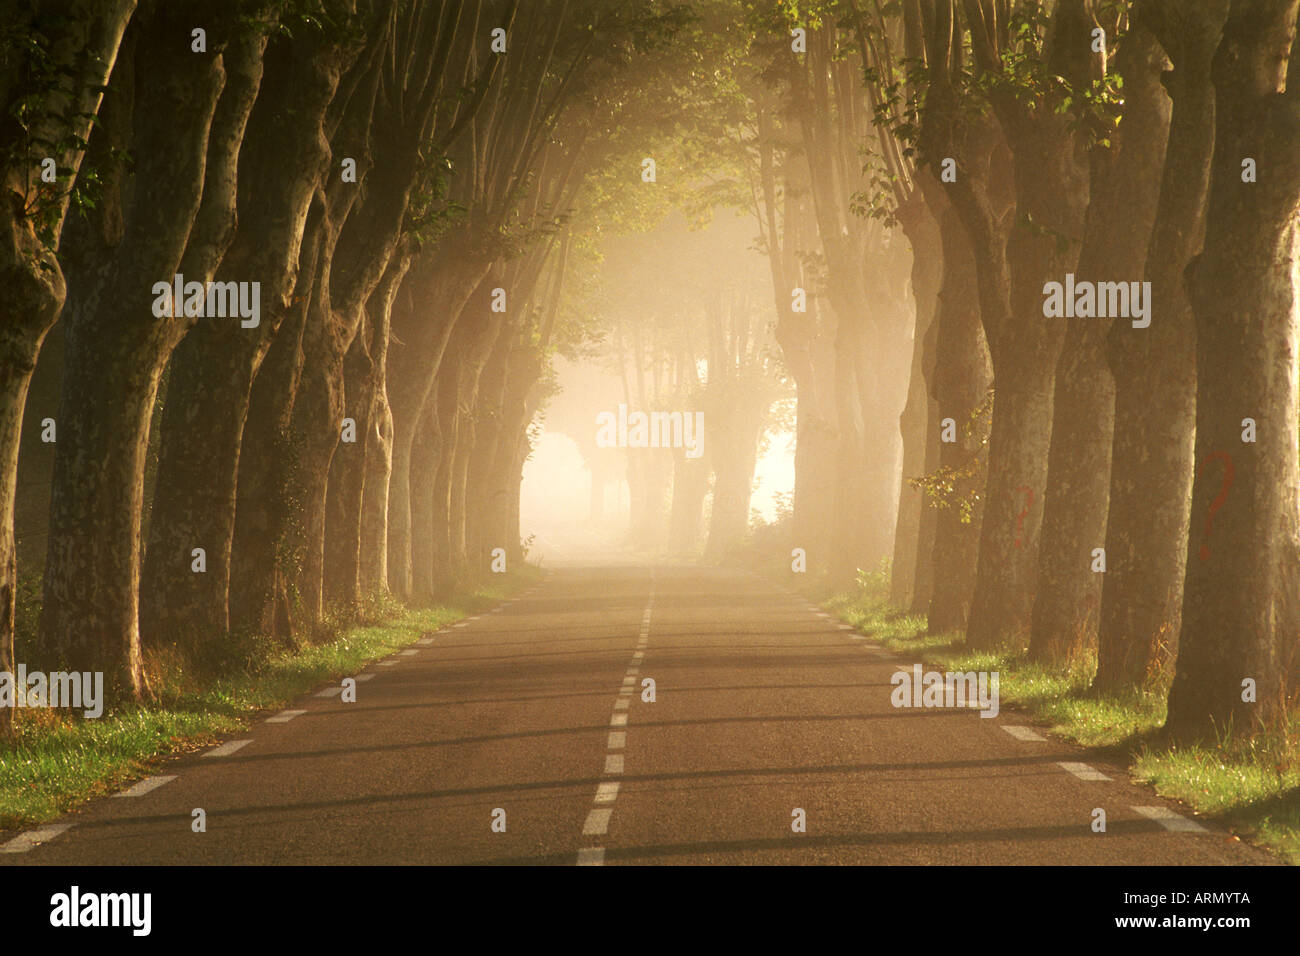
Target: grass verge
{"type": "Point", "coordinates": [1251, 787]}
{"type": "Point", "coordinates": [57, 761]}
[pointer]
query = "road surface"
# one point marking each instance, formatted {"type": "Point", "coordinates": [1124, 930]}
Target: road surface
{"type": "Point", "coordinates": [763, 707]}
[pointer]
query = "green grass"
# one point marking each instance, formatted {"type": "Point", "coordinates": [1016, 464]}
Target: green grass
{"type": "Point", "coordinates": [1250, 787]}
{"type": "Point", "coordinates": [58, 761]}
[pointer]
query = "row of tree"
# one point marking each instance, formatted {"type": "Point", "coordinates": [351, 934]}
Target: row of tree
{"type": "Point", "coordinates": [1135, 489]}
{"type": "Point", "coordinates": [413, 185]}
{"type": "Point", "coordinates": [389, 187]}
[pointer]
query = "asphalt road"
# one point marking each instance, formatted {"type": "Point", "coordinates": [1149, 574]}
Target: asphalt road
{"type": "Point", "coordinates": [762, 707]}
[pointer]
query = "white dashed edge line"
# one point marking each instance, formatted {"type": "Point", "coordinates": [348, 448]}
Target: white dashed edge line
{"type": "Point", "coordinates": [31, 839]}
{"type": "Point", "coordinates": [1170, 820]}
{"type": "Point", "coordinates": [228, 748]}
{"type": "Point", "coordinates": [1081, 770]}
{"type": "Point", "coordinates": [284, 716]}
{"type": "Point", "coordinates": [144, 786]}
{"type": "Point", "coordinates": [1022, 733]}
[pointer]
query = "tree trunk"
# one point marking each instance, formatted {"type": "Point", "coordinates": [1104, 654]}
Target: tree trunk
{"type": "Point", "coordinates": [438, 469]}
{"type": "Point", "coordinates": [379, 452]}
{"type": "Point", "coordinates": [1155, 393]}
{"type": "Point", "coordinates": [212, 370]}
{"type": "Point", "coordinates": [1051, 192]}
{"type": "Point", "coordinates": [83, 39]}
{"type": "Point", "coordinates": [482, 534]}
{"type": "Point", "coordinates": [416, 345]}
{"type": "Point", "coordinates": [345, 486]}
{"type": "Point", "coordinates": [179, 607]}
{"type": "Point", "coordinates": [264, 504]}
{"type": "Point", "coordinates": [920, 442]}
{"type": "Point", "coordinates": [962, 373]}
{"type": "Point", "coordinates": [429, 463]}
{"type": "Point", "coordinates": [1241, 600]}
{"type": "Point", "coordinates": [690, 488]}
{"type": "Point", "coordinates": [1125, 186]}
{"type": "Point", "coordinates": [115, 358]}
{"type": "Point", "coordinates": [928, 528]}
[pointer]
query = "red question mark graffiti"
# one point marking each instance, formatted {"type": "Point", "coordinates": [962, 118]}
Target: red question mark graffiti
{"type": "Point", "coordinates": [1020, 519]}
{"type": "Point", "coordinates": [1222, 496]}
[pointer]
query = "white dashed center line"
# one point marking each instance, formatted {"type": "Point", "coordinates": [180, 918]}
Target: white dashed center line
{"type": "Point", "coordinates": [607, 792]}
{"type": "Point", "coordinates": [597, 823]}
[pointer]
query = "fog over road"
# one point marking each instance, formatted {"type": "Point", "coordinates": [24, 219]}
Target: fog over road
{"type": "Point", "coordinates": [762, 706]}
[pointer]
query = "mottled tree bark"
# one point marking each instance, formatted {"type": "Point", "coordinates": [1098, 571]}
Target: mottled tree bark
{"type": "Point", "coordinates": [177, 605]}
{"type": "Point", "coordinates": [429, 461]}
{"type": "Point", "coordinates": [960, 382]}
{"type": "Point", "coordinates": [417, 342]}
{"type": "Point", "coordinates": [212, 370]}
{"type": "Point", "coordinates": [923, 583]}
{"type": "Point", "coordinates": [909, 583]}
{"type": "Point", "coordinates": [526, 364]}
{"type": "Point", "coordinates": [364, 235]}
{"type": "Point", "coordinates": [1241, 600]}
{"type": "Point", "coordinates": [435, 465]}
{"type": "Point", "coordinates": [480, 481]}
{"type": "Point", "coordinates": [1155, 382]}
{"type": "Point", "coordinates": [264, 505]}
{"type": "Point", "coordinates": [116, 349]}
{"type": "Point", "coordinates": [482, 327]}
{"type": "Point", "coordinates": [1125, 182]}
{"type": "Point", "coordinates": [1051, 198]}
{"type": "Point", "coordinates": [379, 451]}
{"type": "Point", "coordinates": [83, 40]}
